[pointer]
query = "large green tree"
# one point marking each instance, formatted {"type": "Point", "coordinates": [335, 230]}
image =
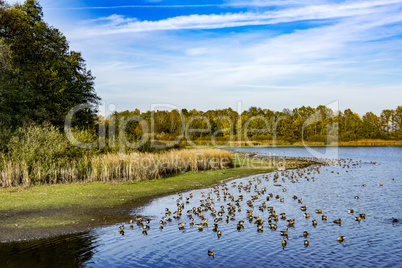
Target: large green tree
{"type": "Point", "coordinates": [44, 78]}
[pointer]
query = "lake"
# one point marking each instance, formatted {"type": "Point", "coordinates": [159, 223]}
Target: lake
{"type": "Point", "coordinates": [373, 174]}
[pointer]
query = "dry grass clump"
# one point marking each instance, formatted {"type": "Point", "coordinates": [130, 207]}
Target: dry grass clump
{"type": "Point", "coordinates": [113, 167]}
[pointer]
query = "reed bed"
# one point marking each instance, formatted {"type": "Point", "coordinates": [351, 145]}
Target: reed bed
{"type": "Point", "coordinates": [113, 167]}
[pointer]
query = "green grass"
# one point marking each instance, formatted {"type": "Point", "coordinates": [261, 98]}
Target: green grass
{"type": "Point", "coordinates": [97, 194]}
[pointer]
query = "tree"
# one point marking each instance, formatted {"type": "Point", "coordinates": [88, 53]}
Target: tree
{"type": "Point", "coordinates": [398, 118]}
{"type": "Point", "coordinates": [386, 121]}
{"type": "Point", "coordinates": [47, 78]}
{"type": "Point", "coordinates": [369, 128]}
{"type": "Point", "coordinates": [349, 125]}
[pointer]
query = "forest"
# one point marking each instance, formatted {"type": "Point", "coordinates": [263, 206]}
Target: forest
{"type": "Point", "coordinates": [319, 124]}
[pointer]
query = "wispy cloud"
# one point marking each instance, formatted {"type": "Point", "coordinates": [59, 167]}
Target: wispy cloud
{"type": "Point", "coordinates": [287, 3]}
{"type": "Point", "coordinates": [231, 4]}
{"type": "Point", "coordinates": [119, 24]}
{"type": "Point", "coordinates": [134, 6]}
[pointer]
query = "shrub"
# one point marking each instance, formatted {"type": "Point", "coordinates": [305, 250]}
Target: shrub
{"type": "Point", "coordinates": [38, 143]}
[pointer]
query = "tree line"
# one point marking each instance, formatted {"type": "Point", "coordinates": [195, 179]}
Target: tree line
{"type": "Point", "coordinates": [319, 124]}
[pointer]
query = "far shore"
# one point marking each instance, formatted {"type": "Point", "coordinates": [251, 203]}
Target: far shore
{"type": "Point", "coordinates": [280, 143]}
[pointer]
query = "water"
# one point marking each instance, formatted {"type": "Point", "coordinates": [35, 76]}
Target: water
{"type": "Point", "coordinates": [372, 242]}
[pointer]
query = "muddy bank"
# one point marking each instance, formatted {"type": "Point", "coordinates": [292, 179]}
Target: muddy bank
{"type": "Point", "coordinates": [14, 225]}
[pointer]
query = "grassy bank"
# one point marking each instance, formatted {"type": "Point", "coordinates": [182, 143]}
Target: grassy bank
{"type": "Point", "coordinates": [40, 211]}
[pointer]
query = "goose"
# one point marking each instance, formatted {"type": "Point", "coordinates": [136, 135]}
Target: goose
{"type": "Point", "coordinates": [341, 239]}
{"type": "Point", "coordinates": [272, 226]}
{"type": "Point", "coordinates": [285, 233]}
{"type": "Point", "coordinates": [337, 221]}
{"type": "Point", "coordinates": [306, 243]}
{"type": "Point", "coordinates": [394, 220]}
{"type": "Point", "coordinates": [211, 253]}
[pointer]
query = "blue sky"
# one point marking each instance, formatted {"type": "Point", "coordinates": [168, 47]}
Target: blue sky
{"type": "Point", "coordinates": [211, 54]}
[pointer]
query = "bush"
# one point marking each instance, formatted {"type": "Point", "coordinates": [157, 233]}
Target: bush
{"type": "Point", "coordinates": [38, 143]}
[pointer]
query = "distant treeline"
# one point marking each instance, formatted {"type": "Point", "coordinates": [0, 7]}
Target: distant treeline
{"type": "Point", "coordinates": [319, 124]}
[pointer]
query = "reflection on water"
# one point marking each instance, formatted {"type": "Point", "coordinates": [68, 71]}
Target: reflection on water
{"type": "Point", "coordinates": [62, 251]}
{"type": "Point", "coordinates": [374, 241]}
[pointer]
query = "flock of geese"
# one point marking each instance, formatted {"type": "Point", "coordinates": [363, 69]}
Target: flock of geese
{"type": "Point", "coordinates": [249, 201]}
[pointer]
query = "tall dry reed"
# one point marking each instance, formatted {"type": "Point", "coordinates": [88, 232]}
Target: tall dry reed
{"type": "Point", "coordinates": [113, 167]}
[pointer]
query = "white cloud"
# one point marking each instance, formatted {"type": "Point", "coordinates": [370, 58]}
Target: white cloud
{"type": "Point", "coordinates": [118, 24]}
{"type": "Point", "coordinates": [114, 20]}
{"type": "Point", "coordinates": [196, 51]}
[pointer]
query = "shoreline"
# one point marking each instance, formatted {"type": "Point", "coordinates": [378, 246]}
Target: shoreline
{"type": "Point", "coordinates": [50, 210]}
{"type": "Point", "coordinates": [267, 143]}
